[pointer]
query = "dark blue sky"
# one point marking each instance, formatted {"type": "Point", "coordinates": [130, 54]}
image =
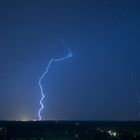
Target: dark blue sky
{"type": "Point", "coordinates": [102, 79]}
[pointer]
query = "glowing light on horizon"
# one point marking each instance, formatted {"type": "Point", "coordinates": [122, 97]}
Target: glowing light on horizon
{"type": "Point", "coordinates": [42, 76]}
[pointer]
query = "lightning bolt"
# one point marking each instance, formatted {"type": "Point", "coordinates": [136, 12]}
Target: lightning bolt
{"type": "Point", "coordinates": [69, 55]}
{"type": "Point", "coordinates": [135, 87]}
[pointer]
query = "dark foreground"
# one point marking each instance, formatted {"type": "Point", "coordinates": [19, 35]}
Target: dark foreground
{"type": "Point", "coordinates": [69, 130]}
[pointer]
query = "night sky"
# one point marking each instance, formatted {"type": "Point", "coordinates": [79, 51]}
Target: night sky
{"type": "Point", "coordinates": [102, 79]}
